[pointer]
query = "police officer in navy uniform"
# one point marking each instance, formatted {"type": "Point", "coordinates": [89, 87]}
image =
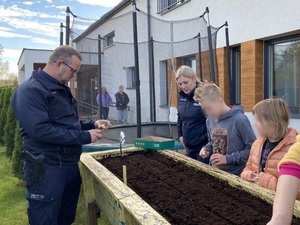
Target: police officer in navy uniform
{"type": "Point", "coordinates": [191, 124]}
{"type": "Point", "coordinates": [53, 137]}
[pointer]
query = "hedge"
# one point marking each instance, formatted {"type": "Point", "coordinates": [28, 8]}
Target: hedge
{"type": "Point", "coordinates": [3, 112]}
{"type": "Point", "coordinates": [9, 131]}
{"type": "Point", "coordinates": [17, 159]}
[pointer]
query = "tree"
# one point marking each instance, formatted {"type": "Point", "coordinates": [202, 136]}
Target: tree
{"type": "Point", "coordinates": [5, 104]}
{"type": "Point", "coordinates": [9, 132]}
{"type": "Point", "coordinates": [2, 90]}
{"type": "Point", "coordinates": [8, 79]}
{"type": "Point", "coordinates": [17, 159]}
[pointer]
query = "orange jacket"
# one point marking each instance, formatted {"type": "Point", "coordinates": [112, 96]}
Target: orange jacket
{"type": "Point", "coordinates": [269, 177]}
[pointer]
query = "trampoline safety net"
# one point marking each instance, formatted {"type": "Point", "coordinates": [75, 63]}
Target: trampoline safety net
{"type": "Point", "coordinates": [174, 43]}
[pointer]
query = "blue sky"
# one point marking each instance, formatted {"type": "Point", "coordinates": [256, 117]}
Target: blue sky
{"type": "Point", "coordinates": [35, 24]}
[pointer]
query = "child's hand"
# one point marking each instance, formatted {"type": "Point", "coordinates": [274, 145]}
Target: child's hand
{"type": "Point", "coordinates": [255, 177]}
{"type": "Point", "coordinates": [218, 160]}
{"type": "Point", "coordinates": [204, 153]}
{"type": "Point", "coordinates": [274, 222]}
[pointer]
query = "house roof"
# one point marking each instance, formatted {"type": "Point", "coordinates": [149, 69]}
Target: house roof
{"type": "Point", "coordinates": [103, 19]}
{"type": "Point", "coordinates": [33, 50]}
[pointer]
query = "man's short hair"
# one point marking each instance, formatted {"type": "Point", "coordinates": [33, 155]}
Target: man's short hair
{"type": "Point", "coordinates": [64, 52]}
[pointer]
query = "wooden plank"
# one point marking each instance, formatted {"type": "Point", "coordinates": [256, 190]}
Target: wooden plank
{"type": "Point", "coordinates": [136, 211]}
{"type": "Point", "coordinates": [92, 213]}
{"type": "Point", "coordinates": [121, 204]}
{"type": "Point", "coordinates": [89, 193]}
{"type": "Point", "coordinates": [234, 181]}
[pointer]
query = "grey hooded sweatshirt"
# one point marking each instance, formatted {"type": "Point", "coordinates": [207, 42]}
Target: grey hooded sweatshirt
{"type": "Point", "coordinates": [231, 135]}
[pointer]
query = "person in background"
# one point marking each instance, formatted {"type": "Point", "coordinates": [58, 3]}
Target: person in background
{"type": "Point", "coordinates": [105, 103]}
{"type": "Point", "coordinates": [53, 137]}
{"type": "Point", "coordinates": [122, 101]}
{"type": "Point", "coordinates": [191, 122]}
{"type": "Point", "coordinates": [229, 130]}
{"type": "Point", "coordinates": [287, 187]}
{"type": "Point", "coordinates": [271, 120]}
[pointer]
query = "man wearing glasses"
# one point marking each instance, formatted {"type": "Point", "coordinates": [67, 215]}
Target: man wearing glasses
{"type": "Point", "coordinates": [53, 137]}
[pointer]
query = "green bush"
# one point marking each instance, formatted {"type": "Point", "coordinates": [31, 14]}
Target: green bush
{"type": "Point", "coordinates": [17, 159]}
{"type": "Point", "coordinates": [9, 131]}
{"type": "Point", "coordinates": [5, 104]}
{"type": "Point", "coordinates": [1, 96]}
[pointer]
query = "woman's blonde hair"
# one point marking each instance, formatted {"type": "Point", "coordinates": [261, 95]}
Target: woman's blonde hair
{"type": "Point", "coordinates": [207, 90]}
{"type": "Point", "coordinates": [185, 71]}
{"type": "Point", "coordinates": [276, 112]}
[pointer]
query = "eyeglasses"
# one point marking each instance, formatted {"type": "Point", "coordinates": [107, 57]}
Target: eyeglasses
{"type": "Point", "coordinates": [70, 67]}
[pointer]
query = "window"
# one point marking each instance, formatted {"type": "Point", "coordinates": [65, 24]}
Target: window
{"type": "Point", "coordinates": [164, 93]}
{"type": "Point", "coordinates": [109, 39]}
{"type": "Point", "coordinates": [282, 71]}
{"type": "Point", "coordinates": [190, 61]}
{"type": "Point", "coordinates": [130, 73]}
{"type": "Point", "coordinates": [235, 85]}
{"type": "Point", "coordinates": [164, 6]}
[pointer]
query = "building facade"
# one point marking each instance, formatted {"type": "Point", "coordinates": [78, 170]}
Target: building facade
{"type": "Point", "coordinates": [31, 59]}
{"type": "Point", "coordinates": [264, 45]}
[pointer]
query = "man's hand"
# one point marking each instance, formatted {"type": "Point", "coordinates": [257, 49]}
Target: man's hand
{"type": "Point", "coordinates": [102, 124]}
{"type": "Point", "coordinates": [204, 153]}
{"type": "Point", "coordinates": [95, 135]}
{"type": "Point", "coordinates": [218, 160]}
{"type": "Point", "coordinates": [255, 178]}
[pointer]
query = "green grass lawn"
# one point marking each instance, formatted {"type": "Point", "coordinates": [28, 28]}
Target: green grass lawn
{"type": "Point", "coordinates": [13, 204]}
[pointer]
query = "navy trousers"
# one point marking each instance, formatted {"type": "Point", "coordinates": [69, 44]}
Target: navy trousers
{"type": "Point", "coordinates": [53, 200]}
{"type": "Point", "coordinates": [194, 154]}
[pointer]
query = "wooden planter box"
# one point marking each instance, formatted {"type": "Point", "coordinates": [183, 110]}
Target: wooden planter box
{"type": "Point", "coordinates": [123, 206]}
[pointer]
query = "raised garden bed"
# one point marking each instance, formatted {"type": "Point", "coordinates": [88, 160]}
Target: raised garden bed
{"type": "Point", "coordinates": [187, 196]}
{"type": "Point", "coordinates": [176, 187]}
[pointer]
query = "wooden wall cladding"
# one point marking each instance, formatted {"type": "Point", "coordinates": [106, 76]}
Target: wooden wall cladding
{"type": "Point", "coordinates": [251, 73]}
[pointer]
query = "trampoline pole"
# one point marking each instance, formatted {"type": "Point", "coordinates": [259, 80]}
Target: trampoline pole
{"type": "Point", "coordinates": [150, 61]}
{"type": "Point", "coordinates": [211, 53]}
{"type": "Point", "coordinates": [99, 76]}
{"type": "Point", "coordinates": [230, 80]}
{"type": "Point", "coordinates": [61, 34]}
{"type": "Point", "coordinates": [137, 71]}
{"type": "Point", "coordinates": [153, 81]}
{"type": "Point", "coordinates": [200, 56]}
{"type": "Point", "coordinates": [68, 26]}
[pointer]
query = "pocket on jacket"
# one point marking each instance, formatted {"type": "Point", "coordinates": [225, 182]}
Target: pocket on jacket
{"type": "Point", "coordinates": [42, 209]}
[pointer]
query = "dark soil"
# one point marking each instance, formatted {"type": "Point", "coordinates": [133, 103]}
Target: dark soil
{"type": "Point", "coordinates": [185, 196]}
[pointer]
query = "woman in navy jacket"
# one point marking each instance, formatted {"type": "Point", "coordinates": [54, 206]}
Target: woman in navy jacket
{"type": "Point", "coordinates": [191, 124]}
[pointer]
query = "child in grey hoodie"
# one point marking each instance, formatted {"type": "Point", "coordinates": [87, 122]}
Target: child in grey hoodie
{"type": "Point", "coordinates": [229, 130]}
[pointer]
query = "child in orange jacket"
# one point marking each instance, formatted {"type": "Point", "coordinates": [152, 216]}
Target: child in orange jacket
{"type": "Point", "coordinates": [271, 121]}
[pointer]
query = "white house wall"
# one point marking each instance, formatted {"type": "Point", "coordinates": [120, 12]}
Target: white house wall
{"type": "Point", "coordinates": [248, 20]}
{"type": "Point", "coordinates": [27, 60]}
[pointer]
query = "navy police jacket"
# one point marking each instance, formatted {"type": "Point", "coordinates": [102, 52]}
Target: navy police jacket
{"type": "Point", "coordinates": [48, 117]}
{"type": "Point", "coordinates": [191, 124]}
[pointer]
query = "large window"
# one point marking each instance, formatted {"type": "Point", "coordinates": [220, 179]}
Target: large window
{"type": "Point", "coordinates": [282, 65]}
{"type": "Point", "coordinates": [131, 77]}
{"type": "Point", "coordinates": [164, 93]}
{"type": "Point", "coordinates": [109, 39]}
{"type": "Point", "coordinates": [164, 6]}
{"type": "Point", "coordinates": [235, 85]}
